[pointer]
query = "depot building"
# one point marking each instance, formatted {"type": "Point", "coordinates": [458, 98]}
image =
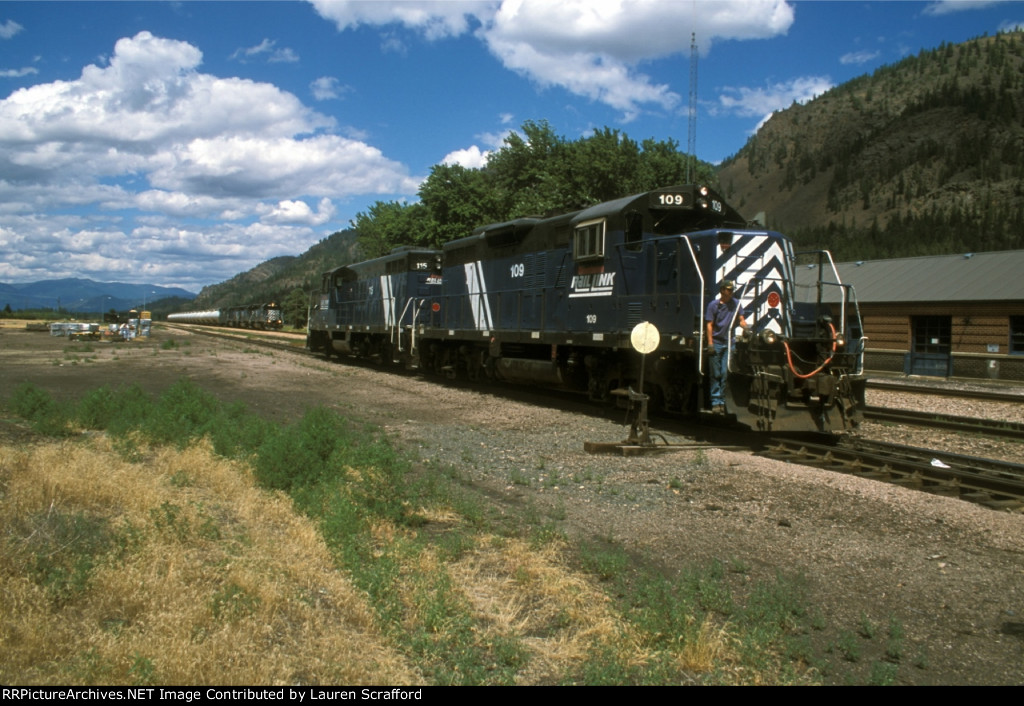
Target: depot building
{"type": "Point", "coordinates": [947, 315]}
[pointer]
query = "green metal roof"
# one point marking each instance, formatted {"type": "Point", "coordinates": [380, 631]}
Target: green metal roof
{"type": "Point", "coordinates": [983, 276]}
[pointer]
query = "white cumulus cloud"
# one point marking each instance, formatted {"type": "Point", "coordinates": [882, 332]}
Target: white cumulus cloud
{"type": "Point", "coordinates": [327, 88]}
{"type": "Point", "coordinates": [762, 101]}
{"type": "Point", "coordinates": [471, 157]}
{"type": "Point", "coordinates": [147, 141]}
{"type": "Point", "coordinates": [299, 213]}
{"type": "Point", "coordinates": [587, 47]}
{"type": "Point", "coordinates": [436, 20]}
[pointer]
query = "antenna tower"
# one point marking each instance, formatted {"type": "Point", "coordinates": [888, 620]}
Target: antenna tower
{"type": "Point", "coordinates": [691, 138]}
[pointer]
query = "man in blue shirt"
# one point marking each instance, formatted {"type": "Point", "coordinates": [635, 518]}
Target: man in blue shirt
{"type": "Point", "coordinates": [718, 319]}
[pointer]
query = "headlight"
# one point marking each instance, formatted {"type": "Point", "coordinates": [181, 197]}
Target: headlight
{"type": "Point", "coordinates": [768, 337]}
{"type": "Point", "coordinates": [840, 340]}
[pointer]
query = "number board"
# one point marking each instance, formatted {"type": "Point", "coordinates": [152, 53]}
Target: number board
{"type": "Point", "coordinates": [671, 199]}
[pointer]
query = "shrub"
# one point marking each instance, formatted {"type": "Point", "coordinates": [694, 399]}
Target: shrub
{"type": "Point", "coordinates": [40, 409]}
{"type": "Point", "coordinates": [184, 412]}
{"type": "Point", "coordinates": [301, 454]}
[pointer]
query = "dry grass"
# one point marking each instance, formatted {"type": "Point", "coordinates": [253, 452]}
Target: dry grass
{"type": "Point", "coordinates": [519, 590]}
{"type": "Point", "coordinates": [19, 323]}
{"type": "Point", "coordinates": [562, 616]}
{"type": "Point", "coordinates": [197, 577]}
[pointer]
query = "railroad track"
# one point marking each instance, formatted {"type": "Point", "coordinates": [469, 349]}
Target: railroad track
{"type": "Point", "coordinates": [991, 427]}
{"type": "Point", "coordinates": [989, 395]}
{"type": "Point", "coordinates": [294, 343]}
{"type": "Point", "coordinates": [996, 484]}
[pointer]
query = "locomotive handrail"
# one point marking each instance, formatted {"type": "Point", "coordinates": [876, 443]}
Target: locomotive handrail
{"type": "Point", "coordinates": [700, 308]}
{"type": "Point", "coordinates": [395, 329]}
{"type": "Point", "coordinates": [732, 327]}
{"type": "Point", "coordinates": [821, 281]}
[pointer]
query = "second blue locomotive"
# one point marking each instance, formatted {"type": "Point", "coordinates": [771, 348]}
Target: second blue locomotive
{"type": "Point", "coordinates": [552, 301]}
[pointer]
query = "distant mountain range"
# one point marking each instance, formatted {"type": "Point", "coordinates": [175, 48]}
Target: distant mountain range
{"type": "Point", "coordinates": [84, 295]}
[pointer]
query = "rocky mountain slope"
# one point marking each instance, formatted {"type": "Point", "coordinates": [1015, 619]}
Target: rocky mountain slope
{"type": "Point", "coordinates": [923, 156]}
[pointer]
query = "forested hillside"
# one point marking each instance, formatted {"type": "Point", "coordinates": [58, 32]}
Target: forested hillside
{"type": "Point", "coordinates": [276, 279]}
{"type": "Point", "coordinates": [925, 156]}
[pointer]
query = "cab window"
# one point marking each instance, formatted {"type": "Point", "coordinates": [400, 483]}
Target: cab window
{"type": "Point", "coordinates": [588, 241]}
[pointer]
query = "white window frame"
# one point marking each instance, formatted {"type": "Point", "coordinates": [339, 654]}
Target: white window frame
{"type": "Point", "coordinates": [585, 246]}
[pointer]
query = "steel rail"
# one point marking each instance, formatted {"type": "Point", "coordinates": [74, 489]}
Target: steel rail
{"type": "Point", "coordinates": [996, 484]}
{"type": "Point", "coordinates": [990, 395]}
{"type": "Point", "coordinates": [992, 427]}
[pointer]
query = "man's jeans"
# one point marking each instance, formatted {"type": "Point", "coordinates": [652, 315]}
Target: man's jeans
{"type": "Point", "coordinates": [719, 373]}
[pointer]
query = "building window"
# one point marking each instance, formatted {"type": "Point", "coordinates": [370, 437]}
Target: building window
{"type": "Point", "coordinates": [933, 335]}
{"type": "Point", "coordinates": [1017, 335]}
{"type": "Point", "coordinates": [588, 241]}
{"type": "Point", "coordinates": [932, 345]}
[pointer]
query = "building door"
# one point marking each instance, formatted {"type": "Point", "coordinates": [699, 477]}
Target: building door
{"type": "Point", "coordinates": [930, 352]}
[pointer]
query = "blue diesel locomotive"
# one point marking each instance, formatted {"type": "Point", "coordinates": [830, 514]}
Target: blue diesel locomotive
{"type": "Point", "coordinates": [370, 309]}
{"type": "Point", "coordinates": [552, 301]}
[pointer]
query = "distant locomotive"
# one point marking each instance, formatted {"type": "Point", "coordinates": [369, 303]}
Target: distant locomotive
{"type": "Point", "coordinates": [552, 301]}
{"type": "Point", "coordinates": [370, 309]}
{"type": "Point", "coordinates": [254, 316]}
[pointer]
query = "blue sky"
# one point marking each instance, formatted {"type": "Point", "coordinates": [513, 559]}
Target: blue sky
{"type": "Point", "coordinates": [180, 143]}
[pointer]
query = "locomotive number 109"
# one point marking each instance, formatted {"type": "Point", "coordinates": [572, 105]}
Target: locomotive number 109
{"type": "Point", "coordinates": [553, 301]}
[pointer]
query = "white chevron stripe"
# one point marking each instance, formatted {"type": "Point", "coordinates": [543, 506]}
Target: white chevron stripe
{"type": "Point", "coordinates": [387, 300]}
{"type": "Point", "coordinates": [767, 272]}
{"type": "Point", "coordinates": [478, 302]}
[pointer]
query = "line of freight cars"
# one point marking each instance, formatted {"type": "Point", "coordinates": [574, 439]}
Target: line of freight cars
{"type": "Point", "coordinates": [254, 316]}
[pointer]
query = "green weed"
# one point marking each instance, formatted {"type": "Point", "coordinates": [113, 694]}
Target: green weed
{"type": "Point", "coordinates": [40, 409]}
{"type": "Point", "coordinates": [883, 674]}
{"type": "Point", "coordinates": [894, 645]}
{"type": "Point", "coordinates": [607, 562]}
{"type": "Point", "coordinates": [232, 602]}
{"type": "Point", "coordinates": [849, 646]}
{"type": "Point", "coordinates": [867, 628]}
{"type": "Point", "coordinates": [63, 549]}
{"type": "Point", "coordinates": [142, 671]}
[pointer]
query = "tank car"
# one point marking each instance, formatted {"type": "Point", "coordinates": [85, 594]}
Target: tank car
{"type": "Point", "coordinates": [256, 316]}
{"type": "Point", "coordinates": [208, 318]}
{"type": "Point", "coordinates": [369, 309]}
